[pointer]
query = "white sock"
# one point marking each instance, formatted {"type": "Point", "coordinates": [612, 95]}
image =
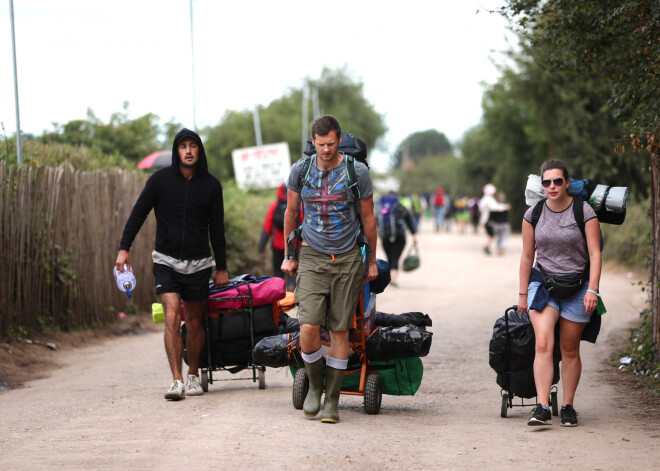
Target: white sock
{"type": "Point", "coordinates": [312, 357]}
{"type": "Point", "coordinates": [336, 363]}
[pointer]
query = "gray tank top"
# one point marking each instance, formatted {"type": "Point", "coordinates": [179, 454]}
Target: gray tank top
{"type": "Point", "coordinates": [560, 247]}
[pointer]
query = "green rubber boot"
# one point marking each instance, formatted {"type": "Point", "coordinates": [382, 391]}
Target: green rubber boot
{"type": "Point", "coordinates": [333, 379]}
{"type": "Point", "coordinates": [312, 403]}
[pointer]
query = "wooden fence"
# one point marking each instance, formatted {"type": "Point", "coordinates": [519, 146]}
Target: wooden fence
{"type": "Point", "coordinates": [59, 232]}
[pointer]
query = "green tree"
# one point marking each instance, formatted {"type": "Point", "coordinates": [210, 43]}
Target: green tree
{"type": "Point", "coordinates": [421, 145]}
{"type": "Point", "coordinates": [533, 114]}
{"type": "Point", "coordinates": [617, 44]}
{"type": "Point", "coordinates": [432, 172]}
{"type": "Point", "coordinates": [339, 94]}
{"type": "Point", "coordinates": [132, 139]}
{"type": "Point", "coordinates": [342, 95]}
{"type": "Point", "coordinates": [614, 41]}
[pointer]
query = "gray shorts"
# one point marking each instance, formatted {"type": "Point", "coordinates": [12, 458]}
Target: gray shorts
{"type": "Point", "coordinates": [328, 290]}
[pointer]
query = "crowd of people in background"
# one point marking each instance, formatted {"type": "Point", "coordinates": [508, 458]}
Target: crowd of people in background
{"type": "Point", "coordinates": [486, 214]}
{"type": "Point", "coordinates": [490, 211]}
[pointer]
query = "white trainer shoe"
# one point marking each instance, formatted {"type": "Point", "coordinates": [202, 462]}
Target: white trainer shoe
{"type": "Point", "coordinates": [193, 387]}
{"type": "Point", "coordinates": [176, 391]}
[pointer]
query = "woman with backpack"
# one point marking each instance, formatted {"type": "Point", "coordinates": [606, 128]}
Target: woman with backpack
{"type": "Point", "coordinates": [561, 288]}
{"type": "Point", "coordinates": [392, 220]}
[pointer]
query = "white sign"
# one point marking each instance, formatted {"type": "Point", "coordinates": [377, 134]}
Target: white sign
{"type": "Point", "coordinates": [261, 167]}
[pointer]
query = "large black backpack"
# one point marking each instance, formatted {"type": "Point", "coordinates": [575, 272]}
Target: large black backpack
{"type": "Point", "coordinates": [350, 145]}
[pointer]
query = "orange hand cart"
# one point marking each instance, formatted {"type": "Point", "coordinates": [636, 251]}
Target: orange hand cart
{"type": "Point", "coordinates": [370, 384]}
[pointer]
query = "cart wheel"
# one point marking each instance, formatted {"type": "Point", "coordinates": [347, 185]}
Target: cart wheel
{"type": "Point", "coordinates": [554, 404]}
{"type": "Point", "coordinates": [300, 388]}
{"type": "Point", "coordinates": [262, 378]}
{"type": "Point", "coordinates": [373, 394]}
{"type": "Point", "coordinates": [205, 381]}
{"type": "Point", "coordinates": [505, 404]}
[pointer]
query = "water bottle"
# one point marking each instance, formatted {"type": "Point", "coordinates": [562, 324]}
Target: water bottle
{"type": "Point", "coordinates": [125, 280]}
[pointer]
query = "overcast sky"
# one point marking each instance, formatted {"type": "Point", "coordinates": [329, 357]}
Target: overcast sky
{"type": "Point", "coordinates": [422, 62]}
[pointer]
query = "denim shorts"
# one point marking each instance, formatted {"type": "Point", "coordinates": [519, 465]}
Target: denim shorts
{"type": "Point", "coordinates": [571, 309]}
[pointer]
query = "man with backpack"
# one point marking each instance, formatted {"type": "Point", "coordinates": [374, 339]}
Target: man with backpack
{"type": "Point", "coordinates": [337, 196]}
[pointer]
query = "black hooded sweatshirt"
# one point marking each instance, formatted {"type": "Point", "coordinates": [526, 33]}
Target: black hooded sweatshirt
{"type": "Point", "coordinates": [187, 210]}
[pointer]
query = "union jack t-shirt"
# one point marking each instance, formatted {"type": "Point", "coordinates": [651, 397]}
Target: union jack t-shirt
{"type": "Point", "coordinates": [330, 222]}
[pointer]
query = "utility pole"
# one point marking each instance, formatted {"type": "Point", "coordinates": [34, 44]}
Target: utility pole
{"type": "Point", "coordinates": [305, 115]}
{"type": "Point", "coordinates": [257, 126]}
{"type": "Point", "coordinates": [19, 153]}
{"type": "Point", "coordinates": [315, 102]}
{"type": "Point", "coordinates": [192, 61]}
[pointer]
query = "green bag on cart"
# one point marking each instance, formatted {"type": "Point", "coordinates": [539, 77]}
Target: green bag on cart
{"type": "Point", "coordinates": [401, 377]}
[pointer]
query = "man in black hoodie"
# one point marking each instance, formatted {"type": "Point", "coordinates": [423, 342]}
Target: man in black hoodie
{"type": "Point", "coordinates": [187, 201]}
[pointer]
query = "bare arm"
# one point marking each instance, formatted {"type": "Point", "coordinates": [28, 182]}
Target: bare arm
{"type": "Point", "coordinates": [592, 232]}
{"type": "Point", "coordinates": [369, 227]}
{"type": "Point", "coordinates": [290, 266]}
{"type": "Point", "coordinates": [526, 261]}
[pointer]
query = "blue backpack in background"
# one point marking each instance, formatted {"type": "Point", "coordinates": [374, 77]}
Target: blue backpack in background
{"type": "Point", "coordinates": [388, 221]}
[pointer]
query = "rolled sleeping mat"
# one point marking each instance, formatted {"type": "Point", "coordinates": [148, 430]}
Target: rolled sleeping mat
{"type": "Point", "coordinates": [598, 197]}
{"type": "Point", "coordinates": [534, 190]}
{"type": "Point", "coordinates": [617, 199]}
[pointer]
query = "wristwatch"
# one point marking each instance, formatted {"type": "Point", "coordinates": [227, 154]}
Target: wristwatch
{"type": "Point", "coordinates": [290, 257]}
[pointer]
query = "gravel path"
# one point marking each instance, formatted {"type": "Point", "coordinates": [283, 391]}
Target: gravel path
{"type": "Point", "coordinates": [103, 408]}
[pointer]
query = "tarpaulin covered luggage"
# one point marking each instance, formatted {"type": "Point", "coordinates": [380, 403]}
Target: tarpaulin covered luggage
{"type": "Point", "coordinates": [236, 324]}
{"type": "Point", "coordinates": [236, 352]}
{"type": "Point", "coordinates": [388, 343]}
{"type": "Point", "coordinates": [397, 320]}
{"type": "Point", "coordinates": [385, 343]}
{"type": "Point", "coordinates": [278, 351]}
{"type": "Point", "coordinates": [512, 352]}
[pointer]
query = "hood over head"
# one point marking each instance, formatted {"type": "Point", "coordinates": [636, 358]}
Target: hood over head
{"type": "Point", "coordinates": [281, 192]}
{"type": "Point", "coordinates": [202, 165]}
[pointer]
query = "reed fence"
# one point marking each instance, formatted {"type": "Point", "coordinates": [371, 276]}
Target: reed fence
{"type": "Point", "coordinates": [59, 232]}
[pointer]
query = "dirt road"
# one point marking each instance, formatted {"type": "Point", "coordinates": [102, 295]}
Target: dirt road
{"type": "Point", "coordinates": [104, 408]}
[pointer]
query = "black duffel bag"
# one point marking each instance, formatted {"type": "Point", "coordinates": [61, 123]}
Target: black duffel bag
{"type": "Point", "coordinates": [388, 343]}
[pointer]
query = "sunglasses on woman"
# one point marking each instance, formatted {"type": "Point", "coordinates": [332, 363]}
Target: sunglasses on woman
{"type": "Point", "coordinates": [556, 181]}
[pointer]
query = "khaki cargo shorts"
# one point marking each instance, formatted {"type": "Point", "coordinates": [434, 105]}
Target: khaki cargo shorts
{"type": "Point", "coordinates": [329, 290]}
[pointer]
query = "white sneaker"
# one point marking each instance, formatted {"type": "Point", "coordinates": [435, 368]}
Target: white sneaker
{"type": "Point", "coordinates": [176, 391]}
{"type": "Point", "coordinates": [193, 388]}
